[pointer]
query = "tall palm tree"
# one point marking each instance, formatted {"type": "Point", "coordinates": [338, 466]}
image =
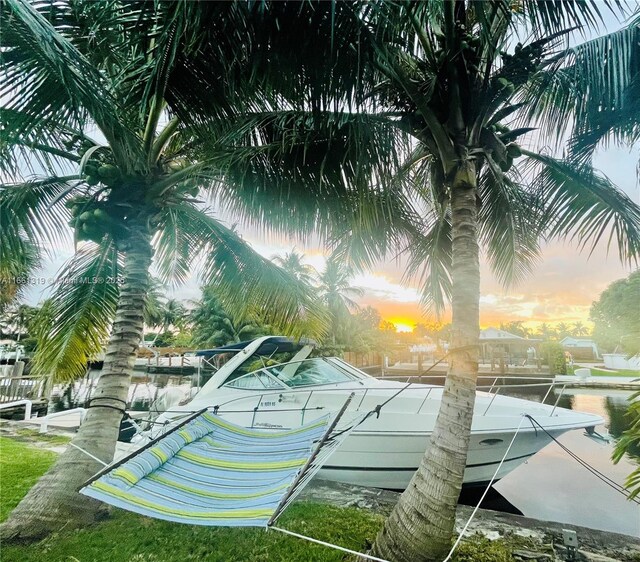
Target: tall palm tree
{"type": "Point", "coordinates": [98, 96]}
{"type": "Point", "coordinates": [173, 314]}
{"type": "Point", "coordinates": [214, 326]}
{"type": "Point", "coordinates": [546, 332]}
{"type": "Point", "coordinates": [337, 293]}
{"type": "Point", "coordinates": [579, 329]}
{"type": "Point", "coordinates": [562, 329]}
{"type": "Point", "coordinates": [450, 83]}
{"type": "Point", "coordinates": [19, 319]}
{"type": "Point", "coordinates": [453, 81]}
{"type": "Point", "coordinates": [292, 262]}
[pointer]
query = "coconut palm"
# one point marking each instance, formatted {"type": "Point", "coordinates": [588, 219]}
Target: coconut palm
{"type": "Point", "coordinates": [451, 82]}
{"type": "Point", "coordinates": [453, 77]}
{"type": "Point", "coordinates": [546, 332]}
{"type": "Point", "coordinates": [292, 262]}
{"type": "Point", "coordinates": [579, 329]}
{"type": "Point", "coordinates": [173, 314]}
{"type": "Point", "coordinates": [154, 304]}
{"type": "Point", "coordinates": [96, 108]}
{"type": "Point", "coordinates": [336, 291]}
{"type": "Point", "coordinates": [14, 273]}
{"type": "Point", "coordinates": [19, 320]}
{"type": "Point", "coordinates": [213, 326]}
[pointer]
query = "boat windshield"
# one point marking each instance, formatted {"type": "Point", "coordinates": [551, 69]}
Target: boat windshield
{"type": "Point", "coordinates": [310, 372]}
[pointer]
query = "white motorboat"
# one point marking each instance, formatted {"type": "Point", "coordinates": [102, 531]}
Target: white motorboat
{"type": "Point", "coordinates": [273, 383]}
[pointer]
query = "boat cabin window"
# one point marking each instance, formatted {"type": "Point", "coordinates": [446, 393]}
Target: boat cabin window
{"type": "Point", "coordinates": [309, 372]}
{"type": "Point", "coordinates": [256, 362]}
{"type": "Point", "coordinates": [255, 381]}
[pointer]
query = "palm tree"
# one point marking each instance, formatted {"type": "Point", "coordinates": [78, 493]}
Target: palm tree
{"type": "Point", "coordinates": [579, 329]}
{"type": "Point", "coordinates": [100, 96]}
{"type": "Point", "coordinates": [14, 273]}
{"type": "Point", "coordinates": [562, 330]}
{"type": "Point", "coordinates": [546, 332]}
{"type": "Point", "coordinates": [292, 263]}
{"type": "Point", "coordinates": [173, 314]}
{"type": "Point", "coordinates": [449, 83]}
{"type": "Point", "coordinates": [453, 78]}
{"type": "Point", "coordinates": [337, 294]}
{"type": "Point", "coordinates": [213, 326]}
{"type": "Point", "coordinates": [19, 320]}
{"type": "Point", "coordinates": [516, 327]}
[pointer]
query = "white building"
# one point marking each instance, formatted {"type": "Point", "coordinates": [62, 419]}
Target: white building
{"type": "Point", "coordinates": [580, 348]}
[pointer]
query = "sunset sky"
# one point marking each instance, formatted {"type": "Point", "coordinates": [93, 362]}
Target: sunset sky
{"type": "Point", "coordinates": [561, 289]}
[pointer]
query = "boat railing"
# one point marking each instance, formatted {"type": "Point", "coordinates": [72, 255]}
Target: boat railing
{"type": "Point", "coordinates": [278, 396]}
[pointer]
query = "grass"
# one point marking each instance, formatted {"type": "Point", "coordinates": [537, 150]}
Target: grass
{"type": "Point", "coordinates": [20, 468]}
{"type": "Point", "coordinates": [595, 372]}
{"type": "Point", "coordinates": [35, 435]}
{"type": "Point", "coordinates": [127, 537]}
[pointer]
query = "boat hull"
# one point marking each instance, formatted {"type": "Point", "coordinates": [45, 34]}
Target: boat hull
{"type": "Point", "coordinates": [389, 461]}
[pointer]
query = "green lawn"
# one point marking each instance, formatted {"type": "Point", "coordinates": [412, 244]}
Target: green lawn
{"type": "Point", "coordinates": [604, 373]}
{"type": "Point", "coordinates": [131, 538]}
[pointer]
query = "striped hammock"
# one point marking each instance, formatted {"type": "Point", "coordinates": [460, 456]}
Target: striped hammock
{"type": "Point", "coordinates": [208, 471]}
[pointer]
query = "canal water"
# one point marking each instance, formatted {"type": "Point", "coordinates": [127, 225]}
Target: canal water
{"type": "Point", "coordinates": [555, 487]}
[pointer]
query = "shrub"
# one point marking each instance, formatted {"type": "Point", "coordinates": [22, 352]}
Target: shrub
{"type": "Point", "coordinates": [553, 355]}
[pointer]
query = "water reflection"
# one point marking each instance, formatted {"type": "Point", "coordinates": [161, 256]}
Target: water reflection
{"type": "Point", "coordinates": [570, 493]}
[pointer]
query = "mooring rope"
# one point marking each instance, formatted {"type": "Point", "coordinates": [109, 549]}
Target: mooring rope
{"type": "Point", "coordinates": [88, 454]}
{"type": "Point", "coordinates": [328, 544]}
{"type": "Point", "coordinates": [603, 477]}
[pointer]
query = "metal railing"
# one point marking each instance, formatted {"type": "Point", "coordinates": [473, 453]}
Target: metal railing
{"type": "Point", "coordinates": [26, 403]}
{"type": "Point", "coordinates": [493, 390]}
{"type": "Point", "coordinates": [23, 387]}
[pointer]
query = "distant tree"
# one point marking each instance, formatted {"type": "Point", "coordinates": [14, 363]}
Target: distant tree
{"type": "Point", "coordinates": [546, 332]}
{"type": "Point", "coordinates": [174, 314]}
{"type": "Point", "coordinates": [368, 317]}
{"type": "Point", "coordinates": [337, 293]}
{"type": "Point", "coordinates": [212, 326]}
{"type": "Point", "coordinates": [429, 329]}
{"type": "Point", "coordinates": [516, 327]}
{"type": "Point", "coordinates": [563, 330]}
{"type": "Point", "coordinates": [579, 329]}
{"type": "Point", "coordinates": [154, 304]}
{"type": "Point", "coordinates": [14, 270]}
{"type": "Point", "coordinates": [386, 326]}
{"type": "Point", "coordinates": [19, 320]}
{"type": "Point", "coordinates": [616, 315]}
{"type": "Point", "coordinates": [292, 263]}
{"type": "Point", "coordinates": [164, 339]}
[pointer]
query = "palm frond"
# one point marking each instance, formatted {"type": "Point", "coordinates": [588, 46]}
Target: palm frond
{"type": "Point", "coordinates": [546, 17]}
{"type": "Point", "coordinates": [586, 207]}
{"type": "Point", "coordinates": [596, 82]}
{"type": "Point", "coordinates": [83, 306]}
{"type": "Point", "coordinates": [34, 210]}
{"type": "Point", "coordinates": [430, 259]}
{"type": "Point", "coordinates": [298, 171]}
{"type": "Point", "coordinates": [508, 219]}
{"type": "Point", "coordinates": [46, 79]}
{"type": "Point", "coordinates": [239, 274]}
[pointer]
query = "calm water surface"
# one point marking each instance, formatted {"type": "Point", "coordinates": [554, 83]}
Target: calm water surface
{"type": "Point", "coordinates": [554, 487]}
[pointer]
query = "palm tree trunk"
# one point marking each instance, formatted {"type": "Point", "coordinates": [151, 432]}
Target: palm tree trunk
{"type": "Point", "coordinates": [421, 526]}
{"type": "Point", "coordinates": [54, 502]}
